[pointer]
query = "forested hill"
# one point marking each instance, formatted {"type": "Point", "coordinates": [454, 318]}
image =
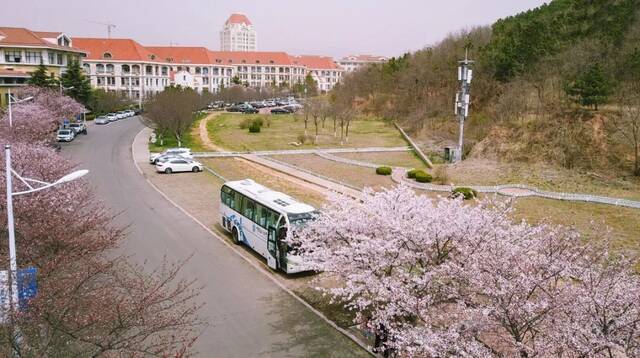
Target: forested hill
{"type": "Point", "coordinates": [549, 81]}
{"type": "Point", "coordinates": [520, 41]}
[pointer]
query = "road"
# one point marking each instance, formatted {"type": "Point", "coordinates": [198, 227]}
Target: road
{"type": "Point", "coordinates": [248, 314]}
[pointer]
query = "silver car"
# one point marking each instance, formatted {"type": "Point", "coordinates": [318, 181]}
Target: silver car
{"type": "Point", "coordinates": [102, 120]}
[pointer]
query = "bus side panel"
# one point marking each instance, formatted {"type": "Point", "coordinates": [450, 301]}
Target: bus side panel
{"type": "Point", "coordinates": [249, 233]}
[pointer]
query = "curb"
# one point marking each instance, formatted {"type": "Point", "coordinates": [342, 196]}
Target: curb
{"type": "Point", "coordinates": [260, 269]}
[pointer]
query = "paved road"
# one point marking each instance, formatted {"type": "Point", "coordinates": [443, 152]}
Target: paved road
{"type": "Point", "coordinates": [249, 315]}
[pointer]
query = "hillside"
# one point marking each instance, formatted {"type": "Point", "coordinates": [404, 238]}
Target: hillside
{"type": "Point", "coordinates": [557, 84]}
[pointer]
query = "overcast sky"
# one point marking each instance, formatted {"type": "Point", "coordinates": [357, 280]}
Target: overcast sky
{"type": "Point", "coordinates": [327, 27]}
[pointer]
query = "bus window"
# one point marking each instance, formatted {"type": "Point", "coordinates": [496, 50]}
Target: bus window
{"type": "Point", "coordinates": [272, 218]}
{"type": "Point", "coordinates": [248, 208]}
{"type": "Point", "coordinates": [262, 215]}
{"type": "Point", "coordinates": [236, 201]}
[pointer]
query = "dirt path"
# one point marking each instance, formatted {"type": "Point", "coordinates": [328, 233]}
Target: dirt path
{"type": "Point", "coordinates": [204, 133]}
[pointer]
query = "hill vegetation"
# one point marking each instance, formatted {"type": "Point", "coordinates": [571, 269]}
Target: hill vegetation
{"type": "Point", "coordinates": [557, 84]}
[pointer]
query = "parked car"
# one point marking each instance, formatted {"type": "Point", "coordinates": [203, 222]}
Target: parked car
{"type": "Point", "coordinates": [182, 152]}
{"type": "Point", "coordinates": [122, 115]}
{"type": "Point", "coordinates": [102, 120]}
{"type": "Point", "coordinates": [78, 127]}
{"type": "Point", "coordinates": [250, 110]}
{"type": "Point", "coordinates": [138, 111]}
{"type": "Point", "coordinates": [65, 135]}
{"type": "Point", "coordinates": [280, 111]}
{"type": "Point", "coordinates": [178, 165]}
{"type": "Point", "coordinates": [112, 117]}
{"type": "Point", "coordinates": [130, 113]}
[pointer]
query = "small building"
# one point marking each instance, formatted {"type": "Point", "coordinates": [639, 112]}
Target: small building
{"type": "Point", "coordinates": [355, 62]}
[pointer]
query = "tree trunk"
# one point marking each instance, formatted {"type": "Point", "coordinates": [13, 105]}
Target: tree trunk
{"type": "Point", "coordinates": [335, 133]}
{"type": "Point", "coordinates": [346, 137]}
{"type": "Point", "coordinates": [178, 139]}
{"type": "Point", "coordinates": [341, 132]}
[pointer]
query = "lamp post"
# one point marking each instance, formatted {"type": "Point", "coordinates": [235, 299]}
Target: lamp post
{"type": "Point", "coordinates": [12, 100]}
{"type": "Point", "coordinates": [33, 186]}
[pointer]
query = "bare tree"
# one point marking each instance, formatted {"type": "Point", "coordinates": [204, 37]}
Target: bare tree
{"type": "Point", "coordinates": [172, 111]}
{"type": "Point", "coordinates": [627, 125]}
{"type": "Point", "coordinates": [317, 108]}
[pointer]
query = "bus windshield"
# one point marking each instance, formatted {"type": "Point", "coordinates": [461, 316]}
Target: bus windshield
{"type": "Point", "coordinates": [299, 219]}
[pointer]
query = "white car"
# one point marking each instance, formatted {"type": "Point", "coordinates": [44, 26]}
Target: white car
{"type": "Point", "coordinates": [65, 135]}
{"type": "Point", "coordinates": [102, 120]}
{"type": "Point", "coordinates": [121, 115]}
{"type": "Point", "coordinates": [130, 113]}
{"type": "Point", "coordinates": [176, 165]}
{"type": "Point", "coordinates": [112, 117]}
{"type": "Point", "coordinates": [181, 152]}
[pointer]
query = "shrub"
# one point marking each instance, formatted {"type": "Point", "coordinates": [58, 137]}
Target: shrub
{"type": "Point", "coordinates": [257, 121]}
{"type": "Point", "coordinates": [302, 138]}
{"type": "Point", "coordinates": [411, 174]}
{"type": "Point", "coordinates": [466, 193]}
{"type": "Point", "coordinates": [384, 170]}
{"type": "Point", "coordinates": [423, 177]}
{"type": "Point", "coordinates": [254, 128]}
{"type": "Point", "coordinates": [245, 123]}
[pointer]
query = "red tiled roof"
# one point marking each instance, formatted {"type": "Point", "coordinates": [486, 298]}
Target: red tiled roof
{"type": "Point", "coordinates": [119, 49]}
{"type": "Point", "coordinates": [47, 34]}
{"type": "Point", "coordinates": [238, 57]}
{"type": "Point", "coordinates": [315, 62]}
{"type": "Point", "coordinates": [238, 19]}
{"type": "Point", "coordinates": [196, 55]}
{"type": "Point", "coordinates": [19, 36]}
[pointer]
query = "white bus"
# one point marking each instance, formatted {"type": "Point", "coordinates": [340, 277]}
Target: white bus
{"type": "Point", "coordinates": [260, 218]}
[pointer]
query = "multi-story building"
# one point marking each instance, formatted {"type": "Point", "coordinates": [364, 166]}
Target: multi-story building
{"type": "Point", "coordinates": [238, 34]}
{"type": "Point", "coordinates": [123, 65]}
{"type": "Point", "coordinates": [322, 69]}
{"type": "Point", "coordinates": [261, 69]}
{"type": "Point", "coordinates": [194, 67]}
{"type": "Point", "coordinates": [22, 50]}
{"type": "Point", "coordinates": [354, 62]}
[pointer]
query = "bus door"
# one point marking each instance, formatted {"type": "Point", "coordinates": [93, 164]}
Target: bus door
{"type": "Point", "coordinates": [272, 247]}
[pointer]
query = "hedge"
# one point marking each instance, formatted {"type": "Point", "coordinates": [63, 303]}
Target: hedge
{"type": "Point", "coordinates": [411, 174]}
{"type": "Point", "coordinates": [384, 170]}
{"type": "Point", "coordinates": [466, 193]}
{"type": "Point", "coordinates": [423, 177]}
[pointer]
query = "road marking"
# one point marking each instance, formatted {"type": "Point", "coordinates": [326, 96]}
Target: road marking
{"type": "Point", "coordinates": [258, 268]}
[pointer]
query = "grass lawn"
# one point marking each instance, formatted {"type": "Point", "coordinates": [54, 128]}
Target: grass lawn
{"type": "Point", "coordinates": [191, 139]}
{"type": "Point", "coordinates": [359, 177]}
{"type": "Point", "coordinates": [393, 159]}
{"type": "Point", "coordinates": [588, 219]}
{"type": "Point", "coordinates": [236, 169]}
{"type": "Point", "coordinates": [279, 131]}
{"type": "Point", "coordinates": [488, 172]}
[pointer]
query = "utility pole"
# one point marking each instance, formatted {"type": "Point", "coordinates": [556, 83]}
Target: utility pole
{"type": "Point", "coordinates": [465, 75]}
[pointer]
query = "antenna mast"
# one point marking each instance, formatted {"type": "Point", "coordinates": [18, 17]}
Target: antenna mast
{"type": "Point", "coordinates": [465, 75]}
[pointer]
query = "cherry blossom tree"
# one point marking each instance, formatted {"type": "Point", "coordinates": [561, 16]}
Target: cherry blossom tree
{"type": "Point", "coordinates": [91, 301]}
{"type": "Point", "coordinates": [443, 278]}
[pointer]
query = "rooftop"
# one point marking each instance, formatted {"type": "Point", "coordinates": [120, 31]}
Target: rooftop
{"type": "Point", "coordinates": [271, 198]}
{"type": "Point", "coordinates": [20, 36]}
{"type": "Point", "coordinates": [238, 19]}
{"type": "Point", "coordinates": [114, 49]}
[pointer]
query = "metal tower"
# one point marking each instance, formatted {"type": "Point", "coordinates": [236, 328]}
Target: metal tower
{"type": "Point", "coordinates": [465, 74]}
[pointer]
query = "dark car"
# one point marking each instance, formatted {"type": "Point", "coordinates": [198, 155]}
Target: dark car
{"type": "Point", "coordinates": [280, 111]}
{"type": "Point", "coordinates": [235, 109]}
{"type": "Point", "coordinates": [137, 111]}
{"type": "Point", "coordinates": [250, 110]}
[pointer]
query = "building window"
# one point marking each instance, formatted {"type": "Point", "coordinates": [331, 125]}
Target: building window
{"type": "Point", "coordinates": [86, 68]}
{"type": "Point", "coordinates": [13, 56]}
{"type": "Point", "coordinates": [106, 56]}
{"type": "Point", "coordinates": [164, 70]}
{"type": "Point", "coordinates": [111, 81]}
{"type": "Point", "coordinates": [198, 71]}
{"type": "Point", "coordinates": [110, 68]}
{"type": "Point", "coordinates": [126, 69]}
{"type": "Point", "coordinates": [205, 71]}
{"type": "Point", "coordinates": [100, 68]}
{"type": "Point", "coordinates": [33, 56]}
{"type": "Point", "coordinates": [59, 59]}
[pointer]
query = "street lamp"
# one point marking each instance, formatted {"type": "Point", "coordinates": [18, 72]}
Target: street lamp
{"type": "Point", "coordinates": [33, 186]}
{"type": "Point", "coordinates": [13, 100]}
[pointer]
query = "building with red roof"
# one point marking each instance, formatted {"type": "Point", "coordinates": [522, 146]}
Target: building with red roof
{"type": "Point", "coordinates": [323, 69]}
{"type": "Point", "coordinates": [22, 50]}
{"type": "Point", "coordinates": [238, 34]}
{"type": "Point", "coordinates": [354, 62]}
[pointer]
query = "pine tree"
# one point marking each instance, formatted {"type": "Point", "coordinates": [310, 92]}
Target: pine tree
{"type": "Point", "coordinates": [40, 77]}
{"type": "Point", "coordinates": [592, 87]}
{"type": "Point", "coordinates": [79, 86]}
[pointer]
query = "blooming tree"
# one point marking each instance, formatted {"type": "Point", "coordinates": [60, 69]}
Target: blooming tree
{"type": "Point", "coordinates": [91, 301]}
{"type": "Point", "coordinates": [443, 278]}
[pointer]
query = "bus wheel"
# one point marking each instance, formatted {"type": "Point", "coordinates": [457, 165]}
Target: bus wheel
{"type": "Point", "coordinates": [234, 236]}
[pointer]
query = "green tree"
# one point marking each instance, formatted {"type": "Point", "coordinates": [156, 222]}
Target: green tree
{"type": "Point", "coordinates": [592, 87]}
{"type": "Point", "coordinates": [79, 86]}
{"type": "Point", "coordinates": [40, 77]}
{"type": "Point", "coordinates": [311, 85]}
{"type": "Point", "coordinates": [235, 80]}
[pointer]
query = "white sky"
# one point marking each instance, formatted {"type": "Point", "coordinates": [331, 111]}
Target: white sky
{"type": "Point", "coordinates": [326, 27]}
